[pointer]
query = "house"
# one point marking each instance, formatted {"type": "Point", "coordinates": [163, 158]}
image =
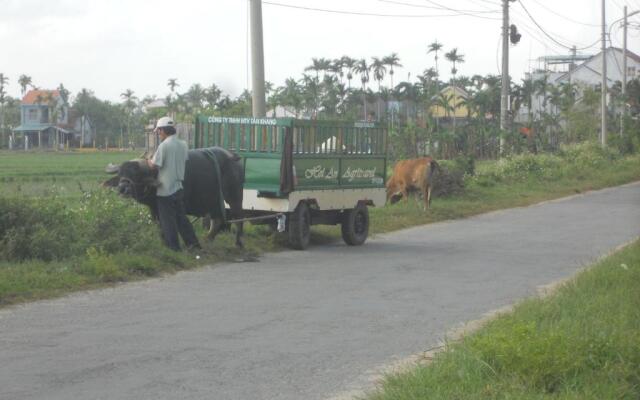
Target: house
{"type": "Point", "coordinates": [588, 74]}
{"type": "Point", "coordinates": [452, 95]}
{"type": "Point", "coordinates": [46, 121]}
{"type": "Point", "coordinates": [184, 130]}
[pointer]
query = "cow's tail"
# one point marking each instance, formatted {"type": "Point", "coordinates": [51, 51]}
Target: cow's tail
{"type": "Point", "coordinates": [433, 165]}
{"type": "Point", "coordinates": [428, 180]}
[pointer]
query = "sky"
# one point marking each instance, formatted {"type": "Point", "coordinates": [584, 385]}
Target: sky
{"type": "Point", "coordinates": [109, 46]}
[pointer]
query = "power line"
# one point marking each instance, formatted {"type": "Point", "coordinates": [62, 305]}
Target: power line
{"type": "Point", "coordinates": [452, 9]}
{"type": "Point", "coordinates": [478, 2]}
{"type": "Point", "coordinates": [545, 32]}
{"type": "Point", "coordinates": [437, 8]}
{"type": "Point", "coordinates": [565, 17]}
{"type": "Point", "coordinates": [495, 3]}
{"type": "Point", "coordinates": [523, 19]}
{"type": "Point", "coordinates": [367, 14]}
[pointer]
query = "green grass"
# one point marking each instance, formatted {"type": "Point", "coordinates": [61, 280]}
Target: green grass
{"type": "Point", "coordinates": [77, 239]}
{"type": "Point", "coordinates": [60, 173]}
{"type": "Point", "coordinates": [581, 343]}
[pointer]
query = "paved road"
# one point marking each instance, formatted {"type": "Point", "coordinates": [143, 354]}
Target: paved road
{"type": "Point", "coordinates": [301, 325]}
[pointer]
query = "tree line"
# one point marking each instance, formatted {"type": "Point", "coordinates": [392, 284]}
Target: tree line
{"type": "Point", "coordinates": [355, 89]}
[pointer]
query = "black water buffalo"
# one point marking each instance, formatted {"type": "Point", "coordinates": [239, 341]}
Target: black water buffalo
{"type": "Point", "coordinates": [202, 186]}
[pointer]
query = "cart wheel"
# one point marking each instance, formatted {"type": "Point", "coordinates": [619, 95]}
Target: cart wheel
{"type": "Point", "coordinates": [355, 225]}
{"type": "Point", "coordinates": [300, 227]}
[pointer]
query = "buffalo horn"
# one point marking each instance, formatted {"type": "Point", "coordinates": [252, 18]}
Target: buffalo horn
{"type": "Point", "coordinates": [112, 168]}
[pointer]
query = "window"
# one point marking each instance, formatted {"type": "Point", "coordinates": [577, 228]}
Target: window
{"type": "Point", "coordinates": [32, 115]}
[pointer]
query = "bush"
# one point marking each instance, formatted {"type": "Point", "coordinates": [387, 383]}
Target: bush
{"type": "Point", "coordinates": [448, 180]}
{"type": "Point", "coordinates": [50, 229]}
{"type": "Point", "coordinates": [588, 155]}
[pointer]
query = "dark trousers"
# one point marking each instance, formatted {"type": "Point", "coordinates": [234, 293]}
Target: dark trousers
{"type": "Point", "coordinates": [173, 220]}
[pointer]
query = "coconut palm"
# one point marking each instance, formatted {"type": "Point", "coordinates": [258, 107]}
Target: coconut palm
{"type": "Point", "coordinates": [363, 69]}
{"type": "Point", "coordinates": [212, 95]}
{"type": "Point", "coordinates": [196, 96]}
{"type": "Point", "coordinates": [454, 58]}
{"type": "Point", "coordinates": [379, 69]}
{"type": "Point", "coordinates": [392, 61]}
{"type": "Point", "coordinates": [410, 93]}
{"type": "Point", "coordinates": [337, 68]}
{"type": "Point", "coordinates": [349, 64]}
{"type": "Point", "coordinates": [24, 81]}
{"type": "Point", "coordinates": [4, 80]}
{"type": "Point", "coordinates": [317, 65]}
{"type": "Point", "coordinates": [310, 93]}
{"type": "Point", "coordinates": [173, 83]}
{"type": "Point", "coordinates": [128, 105]}
{"type": "Point", "coordinates": [435, 47]}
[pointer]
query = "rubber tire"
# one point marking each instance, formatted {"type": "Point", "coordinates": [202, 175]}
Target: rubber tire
{"type": "Point", "coordinates": [299, 227]}
{"type": "Point", "coordinates": [355, 225]}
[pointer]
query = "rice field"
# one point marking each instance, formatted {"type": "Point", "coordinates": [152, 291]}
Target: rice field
{"type": "Point", "coordinates": [66, 174]}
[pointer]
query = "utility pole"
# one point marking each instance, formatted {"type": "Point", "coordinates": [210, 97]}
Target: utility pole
{"type": "Point", "coordinates": [624, 74]}
{"type": "Point", "coordinates": [504, 94]}
{"type": "Point", "coordinates": [257, 59]}
{"type": "Point", "coordinates": [603, 100]}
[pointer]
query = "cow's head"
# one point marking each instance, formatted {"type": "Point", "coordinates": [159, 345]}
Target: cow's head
{"type": "Point", "coordinates": [393, 191]}
{"type": "Point", "coordinates": [134, 179]}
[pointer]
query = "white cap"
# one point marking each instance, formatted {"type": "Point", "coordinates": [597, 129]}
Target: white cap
{"type": "Point", "coordinates": [164, 122]}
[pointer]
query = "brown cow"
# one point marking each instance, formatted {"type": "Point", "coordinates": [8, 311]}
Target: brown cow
{"type": "Point", "coordinates": [410, 175]}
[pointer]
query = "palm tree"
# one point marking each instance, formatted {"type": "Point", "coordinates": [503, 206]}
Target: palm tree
{"type": "Point", "coordinates": [454, 57]}
{"type": "Point", "coordinates": [379, 69]}
{"type": "Point", "coordinates": [410, 93]}
{"type": "Point", "coordinates": [195, 96]}
{"type": "Point", "coordinates": [435, 47]}
{"type": "Point", "coordinates": [212, 95]}
{"type": "Point", "coordinates": [291, 95]}
{"type": "Point", "coordinates": [24, 81]}
{"type": "Point", "coordinates": [362, 68]}
{"type": "Point", "coordinates": [310, 93]}
{"type": "Point", "coordinates": [173, 83]}
{"type": "Point", "coordinates": [349, 63]}
{"type": "Point", "coordinates": [317, 65]}
{"type": "Point", "coordinates": [430, 75]}
{"type": "Point", "coordinates": [337, 68]}
{"type": "Point", "coordinates": [4, 80]}
{"type": "Point", "coordinates": [128, 105]}
{"type": "Point", "coordinates": [392, 61]}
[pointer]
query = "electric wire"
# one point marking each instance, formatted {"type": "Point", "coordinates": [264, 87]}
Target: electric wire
{"type": "Point", "coordinates": [521, 19]}
{"type": "Point", "coordinates": [495, 3]}
{"type": "Point", "coordinates": [367, 14]}
{"type": "Point", "coordinates": [436, 8]}
{"type": "Point", "coordinates": [548, 35]}
{"type": "Point", "coordinates": [453, 9]}
{"type": "Point", "coordinates": [564, 16]}
{"type": "Point", "coordinates": [484, 6]}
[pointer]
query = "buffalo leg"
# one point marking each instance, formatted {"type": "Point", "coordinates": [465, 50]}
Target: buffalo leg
{"type": "Point", "coordinates": [236, 213]}
{"type": "Point", "coordinates": [215, 227]}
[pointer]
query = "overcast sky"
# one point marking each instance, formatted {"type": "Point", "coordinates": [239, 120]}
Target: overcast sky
{"type": "Point", "coordinates": [112, 45]}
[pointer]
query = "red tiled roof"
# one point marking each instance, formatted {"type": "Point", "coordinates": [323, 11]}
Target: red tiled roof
{"type": "Point", "coordinates": [32, 95]}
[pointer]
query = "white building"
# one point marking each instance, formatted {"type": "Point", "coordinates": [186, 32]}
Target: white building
{"type": "Point", "coordinates": [588, 74]}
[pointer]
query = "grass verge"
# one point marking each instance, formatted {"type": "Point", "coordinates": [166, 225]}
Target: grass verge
{"type": "Point", "coordinates": [581, 343]}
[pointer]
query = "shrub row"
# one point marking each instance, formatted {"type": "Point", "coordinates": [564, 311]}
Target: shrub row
{"type": "Point", "coordinates": [48, 228]}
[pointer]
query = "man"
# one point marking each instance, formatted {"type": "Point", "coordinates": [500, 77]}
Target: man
{"type": "Point", "coordinates": [169, 160]}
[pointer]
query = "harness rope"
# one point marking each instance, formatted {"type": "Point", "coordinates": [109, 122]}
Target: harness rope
{"type": "Point", "coordinates": [211, 155]}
